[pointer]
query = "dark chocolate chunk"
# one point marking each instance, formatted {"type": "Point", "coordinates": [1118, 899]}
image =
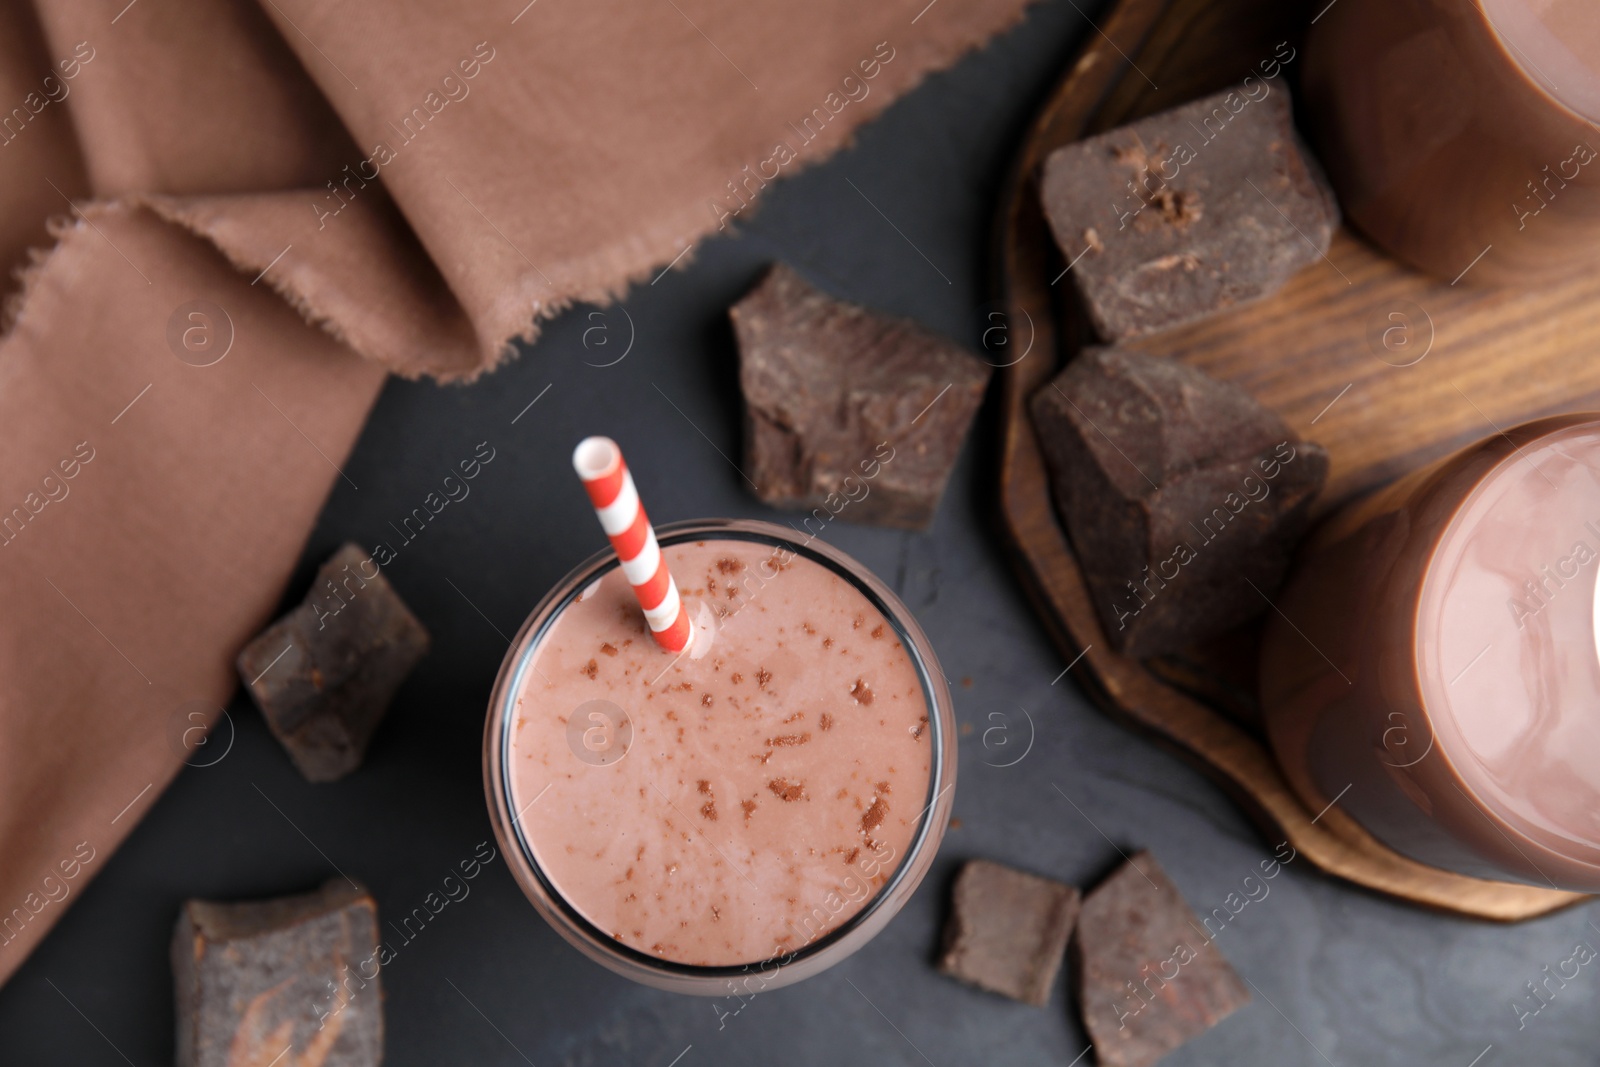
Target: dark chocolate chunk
{"type": "Point", "coordinates": [1149, 978]}
{"type": "Point", "coordinates": [1008, 930]}
{"type": "Point", "coordinates": [1182, 495]}
{"type": "Point", "coordinates": [324, 674]}
{"type": "Point", "coordinates": [292, 980]}
{"type": "Point", "coordinates": [1188, 212]}
{"type": "Point", "coordinates": [849, 413]}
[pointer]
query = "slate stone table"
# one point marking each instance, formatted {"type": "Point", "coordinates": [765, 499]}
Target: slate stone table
{"type": "Point", "coordinates": [900, 222]}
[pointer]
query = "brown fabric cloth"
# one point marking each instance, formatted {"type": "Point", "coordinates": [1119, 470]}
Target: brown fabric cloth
{"type": "Point", "coordinates": [405, 187]}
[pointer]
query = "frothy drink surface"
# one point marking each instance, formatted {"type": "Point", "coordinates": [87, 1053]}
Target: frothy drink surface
{"type": "Point", "coordinates": [1506, 642]}
{"type": "Point", "coordinates": [771, 786]}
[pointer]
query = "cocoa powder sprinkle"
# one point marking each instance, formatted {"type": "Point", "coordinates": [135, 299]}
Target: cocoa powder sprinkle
{"type": "Point", "coordinates": [861, 692]}
{"type": "Point", "coordinates": [788, 739]}
{"type": "Point", "coordinates": [874, 815]}
{"type": "Point", "coordinates": [786, 790]}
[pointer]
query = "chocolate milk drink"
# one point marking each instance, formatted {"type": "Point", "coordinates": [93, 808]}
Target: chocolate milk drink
{"type": "Point", "coordinates": [1439, 676]}
{"type": "Point", "coordinates": [1458, 133]}
{"type": "Point", "coordinates": [766, 799]}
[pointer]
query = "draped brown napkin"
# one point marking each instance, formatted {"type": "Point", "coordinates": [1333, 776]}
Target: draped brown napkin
{"type": "Point", "coordinates": [231, 219]}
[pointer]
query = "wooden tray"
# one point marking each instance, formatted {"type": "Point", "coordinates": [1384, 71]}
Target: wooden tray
{"type": "Point", "coordinates": [1314, 353]}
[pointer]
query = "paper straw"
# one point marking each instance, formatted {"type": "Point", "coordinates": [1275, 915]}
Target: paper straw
{"type": "Point", "coordinates": [598, 462]}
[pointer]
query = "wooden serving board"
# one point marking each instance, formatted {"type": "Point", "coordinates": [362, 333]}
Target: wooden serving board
{"type": "Point", "coordinates": [1457, 363]}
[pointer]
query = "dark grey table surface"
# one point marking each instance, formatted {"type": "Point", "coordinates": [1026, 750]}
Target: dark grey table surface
{"type": "Point", "coordinates": [1342, 977]}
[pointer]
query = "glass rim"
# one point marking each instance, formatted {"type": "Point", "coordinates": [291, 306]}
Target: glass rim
{"type": "Point", "coordinates": [1536, 78]}
{"type": "Point", "coordinates": [519, 656]}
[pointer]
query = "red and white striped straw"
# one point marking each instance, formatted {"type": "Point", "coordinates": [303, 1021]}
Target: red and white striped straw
{"type": "Point", "coordinates": [598, 462]}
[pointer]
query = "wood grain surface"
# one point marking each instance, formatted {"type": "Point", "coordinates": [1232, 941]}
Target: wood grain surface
{"type": "Point", "coordinates": [1385, 367]}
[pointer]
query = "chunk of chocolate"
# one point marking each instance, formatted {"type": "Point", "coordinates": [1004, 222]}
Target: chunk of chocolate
{"type": "Point", "coordinates": [1183, 497]}
{"type": "Point", "coordinates": [1148, 977]}
{"type": "Point", "coordinates": [1182, 214]}
{"type": "Point", "coordinates": [849, 413]}
{"type": "Point", "coordinates": [1008, 930]}
{"type": "Point", "coordinates": [324, 674]}
{"type": "Point", "coordinates": [292, 980]}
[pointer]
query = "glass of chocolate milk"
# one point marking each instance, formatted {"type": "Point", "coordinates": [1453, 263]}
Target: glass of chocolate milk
{"type": "Point", "coordinates": [747, 813]}
{"type": "Point", "coordinates": [1460, 133]}
{"type": "Point", "coordinates": [1435, 670]}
